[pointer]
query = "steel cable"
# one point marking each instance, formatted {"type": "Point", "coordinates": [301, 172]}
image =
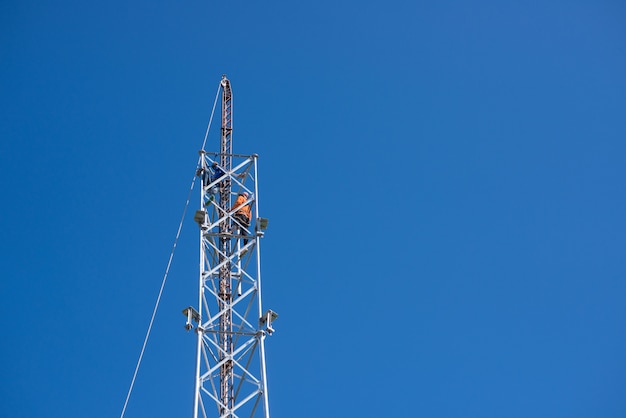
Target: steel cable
{"type": "Point", "coordinates": [169, 263]}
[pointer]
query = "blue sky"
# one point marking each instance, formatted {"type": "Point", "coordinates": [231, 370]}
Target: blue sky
{"type": "Point", "coordinates": [444, 183]}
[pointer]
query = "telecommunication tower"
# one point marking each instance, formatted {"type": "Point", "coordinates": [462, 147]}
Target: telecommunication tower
{"type": "Point", "coordinates": [231, 325]}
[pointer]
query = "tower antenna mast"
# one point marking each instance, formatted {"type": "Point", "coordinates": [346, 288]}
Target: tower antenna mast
{"type": "Point", "coordinates": [231, 325]}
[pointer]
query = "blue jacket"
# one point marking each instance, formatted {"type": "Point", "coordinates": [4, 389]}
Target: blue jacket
{"type": "Point", "coordinates": [217, 173]}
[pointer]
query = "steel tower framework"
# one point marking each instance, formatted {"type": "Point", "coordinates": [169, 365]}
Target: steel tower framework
{"type": "Point", "coordinates": [231, 325]}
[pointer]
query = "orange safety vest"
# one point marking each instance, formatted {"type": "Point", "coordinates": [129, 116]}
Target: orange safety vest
{"type": "Point", "coordinates": [245, 209]}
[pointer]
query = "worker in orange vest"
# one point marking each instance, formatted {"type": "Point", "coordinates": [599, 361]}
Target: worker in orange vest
{"type": "Point", "coordinates": [242, 214]}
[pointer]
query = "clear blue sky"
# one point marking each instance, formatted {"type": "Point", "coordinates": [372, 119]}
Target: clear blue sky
{"type": "Point", "coordinates": [444, 182]}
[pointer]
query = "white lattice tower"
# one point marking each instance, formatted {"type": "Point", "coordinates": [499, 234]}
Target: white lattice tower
{"type": "Point", "coordinates": [230, 364]}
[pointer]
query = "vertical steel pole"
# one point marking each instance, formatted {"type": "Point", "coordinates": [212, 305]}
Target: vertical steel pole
{"type": "Point", "coordinates": [259, 300]}
{"type": "Point", "coordinates": [198, 383]}
{"type": "Point", "coordinates": [226, 373]}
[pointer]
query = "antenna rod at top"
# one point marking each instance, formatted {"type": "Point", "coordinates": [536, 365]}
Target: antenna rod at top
{"type": "Point", "coordinates": [226, 145]}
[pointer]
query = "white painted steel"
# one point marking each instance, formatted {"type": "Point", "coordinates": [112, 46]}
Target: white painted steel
{"type": "Point", "coordinates": [231, 378]}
